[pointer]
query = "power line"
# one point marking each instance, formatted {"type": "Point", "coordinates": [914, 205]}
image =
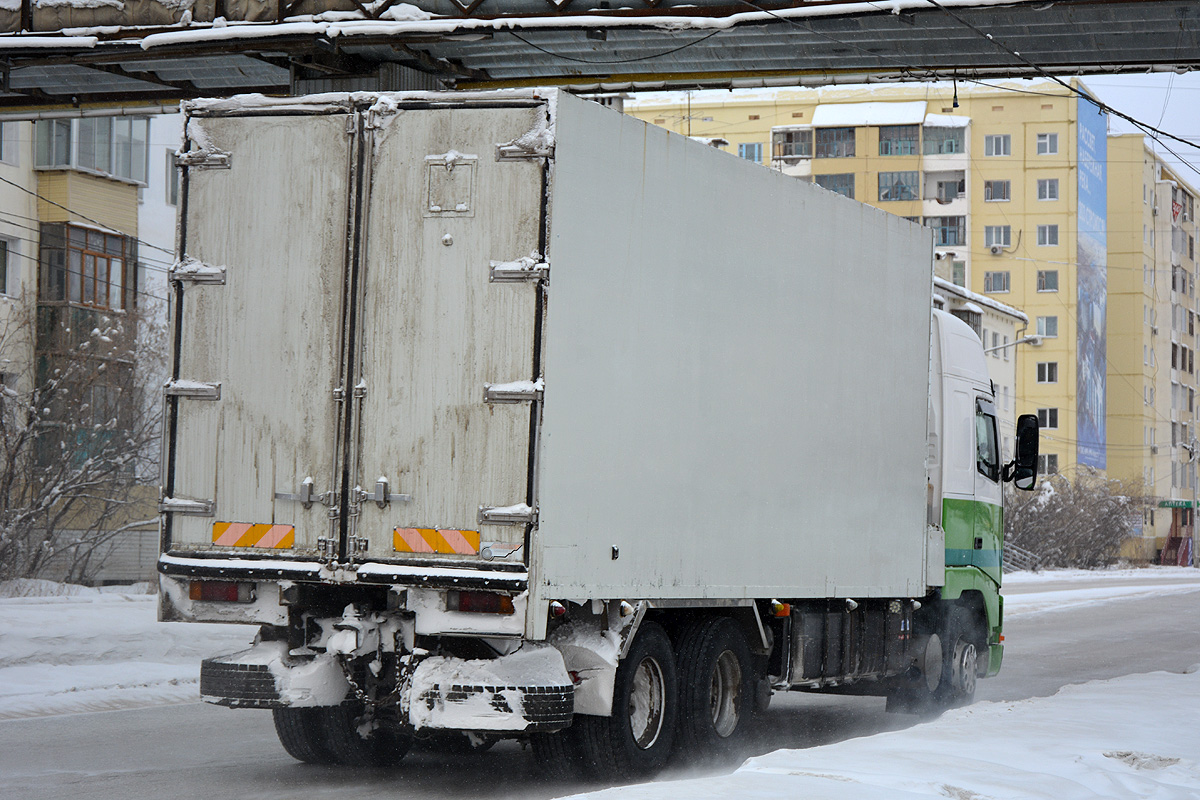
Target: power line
{"type": "Point", "coordinates": [1101, 105]}
{"type": "Point", "coordinates": [148, 263]}
{"type": "Point", "coordinates": [77, 272]}
{"type": "Point", "coordinates": [81, 216]}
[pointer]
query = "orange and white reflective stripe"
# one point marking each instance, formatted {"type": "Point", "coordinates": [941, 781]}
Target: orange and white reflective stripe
{"type": "Point", "coordinates": [244, 534]}
{"type": "Point", "coordinates": [428, 540]}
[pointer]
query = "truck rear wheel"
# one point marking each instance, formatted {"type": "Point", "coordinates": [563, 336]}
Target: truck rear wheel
{"type": "Point", "coordinates": [302, 734]}
{"type": "Point", "coordinates": [716, 684]}
{"type": "Point", "coordinates": [558, 755]}
{"type": "Point", "coordinates": [637, 739]}
{"type": "Point", "coordinates": [332, 735]}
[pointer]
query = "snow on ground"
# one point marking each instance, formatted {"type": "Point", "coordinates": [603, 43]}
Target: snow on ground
{"type": "Point", "coordinates": [72, 649]}
{"type": "Point", "coordinates": [1131, 737]}
{"type": "Point", "coordinates": [1022, 595]}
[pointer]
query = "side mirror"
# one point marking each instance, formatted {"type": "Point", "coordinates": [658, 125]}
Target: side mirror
{"type": "Point", "coordinates": [1022, 470]}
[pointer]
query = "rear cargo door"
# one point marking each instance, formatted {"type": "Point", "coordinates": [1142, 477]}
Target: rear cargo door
{"type": "Point", "coordinates": [252, 409]}
{"type": "Point", "coordinates": [449, 307]}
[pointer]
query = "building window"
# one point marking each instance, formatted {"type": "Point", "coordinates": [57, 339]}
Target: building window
{"type": "Point", "coordinates": [792, 143]}
{"type": "Point", "coordinates": [1047, 144]}
{"type": "Point", "coordinates": [751, 151]}
{"type": "Point", "coordinates": [1047, 417]}
{"type": "Point", "coordinates": [948, 230]}
{"type": "Point", "coordinates": [842, 183]}
{"type": "Point", "coordinates": [1047, 372]}
{"type": "Point", "coordinates": [87, 267]}
{"type": "Point", "coordinates": [995, 282]}
{"type": "Point", "coordinates": [958, 273]}
{"type": "Point", "coordinates": [1047, 280]}
{"type": "Point", "coordinates": [115, 147]}
{"type": "Point", "coordinates": [9, 144]}
{"type": "Point", "coordinates": [1048, 464]}
{"type": "Point", "coordinates": [8, 276]}
{"type": "Point", "coordinates": [1047, 188]}
{"type": "Point", "coordinates": [1047, 326]}
{"type": "Point", "coordinates": [995, 191]}
{"type": "Point", "coordinates": [948, 191]}
{"type": "Point", "coordinates": [899, 185]}
{"type": "Point", "coordinates": [172, 181]}
{"type": "Point", "coordinates": [944, 141]}
{"type": "Point", "coordinates": [899, 140]}
{"type": "Point", "coordinates": [1047, 235]}
{"type": "Point", "coordinates": [834, 142]}
{"type": "Point", "coordinates": [999, 144]}
{"type": "Point", "coordinates": [997, 235]}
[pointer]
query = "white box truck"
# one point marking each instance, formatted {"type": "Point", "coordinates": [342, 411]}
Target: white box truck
{"type": "Point", "coordinates": [504, 414]}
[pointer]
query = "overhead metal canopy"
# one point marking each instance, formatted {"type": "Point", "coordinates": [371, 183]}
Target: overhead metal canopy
{"type": "Point", "coordinates": [148, 50]}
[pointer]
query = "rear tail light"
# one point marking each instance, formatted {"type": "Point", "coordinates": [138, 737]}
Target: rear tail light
{"type": "Point", "coordinates": [221, 592]}
{"type": "Point", "coordinates": [479, 602]}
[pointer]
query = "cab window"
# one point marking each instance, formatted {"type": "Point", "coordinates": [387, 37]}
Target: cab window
{"type": "Point", "coordinates": [987, 455]}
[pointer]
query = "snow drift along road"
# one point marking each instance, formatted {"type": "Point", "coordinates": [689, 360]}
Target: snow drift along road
{"type": "Point", "coordinates": [1132, 737]}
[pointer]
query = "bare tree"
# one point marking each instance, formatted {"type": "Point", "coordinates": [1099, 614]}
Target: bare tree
{"type": "Point", "coordinates": [1075, 522]}
{"type": "Point", "coordinates": [76, 434]}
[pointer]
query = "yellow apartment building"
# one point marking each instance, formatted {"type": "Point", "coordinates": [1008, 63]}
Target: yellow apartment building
{"type": "Point", "coordinates": [1011, 177]}
{"type": "Point", "coordinates": [1152, 341]}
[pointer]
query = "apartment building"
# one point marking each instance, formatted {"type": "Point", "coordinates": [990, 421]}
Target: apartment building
{"type": "Point", "coordinates": [1152, 323]}
{"type": "Point", "coordinates": [18, 254]}
{"type": "Point", "coordinates": [70, 291]}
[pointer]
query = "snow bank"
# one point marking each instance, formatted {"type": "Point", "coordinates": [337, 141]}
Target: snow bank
{"type": "Point", "coordinates": [1131, 737]}
{"type": "Point", "coordinates": [66, 649]}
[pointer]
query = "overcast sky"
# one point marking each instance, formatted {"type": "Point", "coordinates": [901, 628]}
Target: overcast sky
{"type": "Point", "coordinates": [1167, 101]}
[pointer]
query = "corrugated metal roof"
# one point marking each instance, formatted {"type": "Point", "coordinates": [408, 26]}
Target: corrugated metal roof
{"type": "Point", "coordinates": [515, 42]}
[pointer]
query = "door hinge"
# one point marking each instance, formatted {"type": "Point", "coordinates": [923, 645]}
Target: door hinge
{"type": "Point", "coordinates": [514, 392]}
{"type": "Point", "coordinates": [191, 508]}
{"type": "Point", "coordinates": [306, 496]}
{"type": "Point", "coordinates": [519, 514]}
{"type": "Point", "coordinates": [190, 270]}
{"type": "Point", "coordinates": [197, 390]}
{"type": "Point", "coordinates": [528, 269]}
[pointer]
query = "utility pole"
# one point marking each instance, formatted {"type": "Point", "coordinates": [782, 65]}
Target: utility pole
{"type": "Point", "coordinates": [1192, 445]}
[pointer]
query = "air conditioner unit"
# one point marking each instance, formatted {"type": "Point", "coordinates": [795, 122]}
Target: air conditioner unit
{"type": "Point", "coordinates": [1154, 449]}
{"type": "Point", "coordinates": [996, 249]}
{"type": "Point", "coordinates": [1154, 211]}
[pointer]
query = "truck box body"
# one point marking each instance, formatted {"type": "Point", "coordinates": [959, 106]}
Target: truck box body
{"type": "Point", "coordinates": [733, 392]}
{"type": "Point", "coordinates": [503, 412]}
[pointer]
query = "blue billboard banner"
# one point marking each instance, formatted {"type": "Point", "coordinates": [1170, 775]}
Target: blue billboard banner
{"type": "Point", "coordinates": [1092, 278]}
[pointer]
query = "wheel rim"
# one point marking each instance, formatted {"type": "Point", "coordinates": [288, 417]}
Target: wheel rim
{"type": "Point", "coordinates": [967, 665]}
{"type": "Point", "coordinates": [725, 693]}
{"type": "Point", "coordinates": [647, 702]}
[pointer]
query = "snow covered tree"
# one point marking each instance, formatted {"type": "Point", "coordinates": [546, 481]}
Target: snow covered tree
{"type": "Point", "coordinates": [78, 439]}
{"type": "Point", "coordinates": [1079, 522]}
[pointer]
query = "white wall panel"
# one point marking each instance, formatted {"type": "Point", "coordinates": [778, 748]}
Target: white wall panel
{"type": "Point", "coordinates": [736, 373]}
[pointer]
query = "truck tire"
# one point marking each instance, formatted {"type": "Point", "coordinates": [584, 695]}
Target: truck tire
{"type": "Point", "coordinates": [381, 747]}
{"type": "Point", "coordinates": [716, 685]}
{"type": "Point", "coordinates": [960, 666]}
{"type": "Point", "coordinates": [302, 734]}
{"type": "Point", "coordinates": [558, 756]}
{"type": "Point", "coordinates": [636, 740]}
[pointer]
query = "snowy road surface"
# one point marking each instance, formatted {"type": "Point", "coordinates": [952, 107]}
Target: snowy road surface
{"type": "Point", "coordinates": [66, 655]}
